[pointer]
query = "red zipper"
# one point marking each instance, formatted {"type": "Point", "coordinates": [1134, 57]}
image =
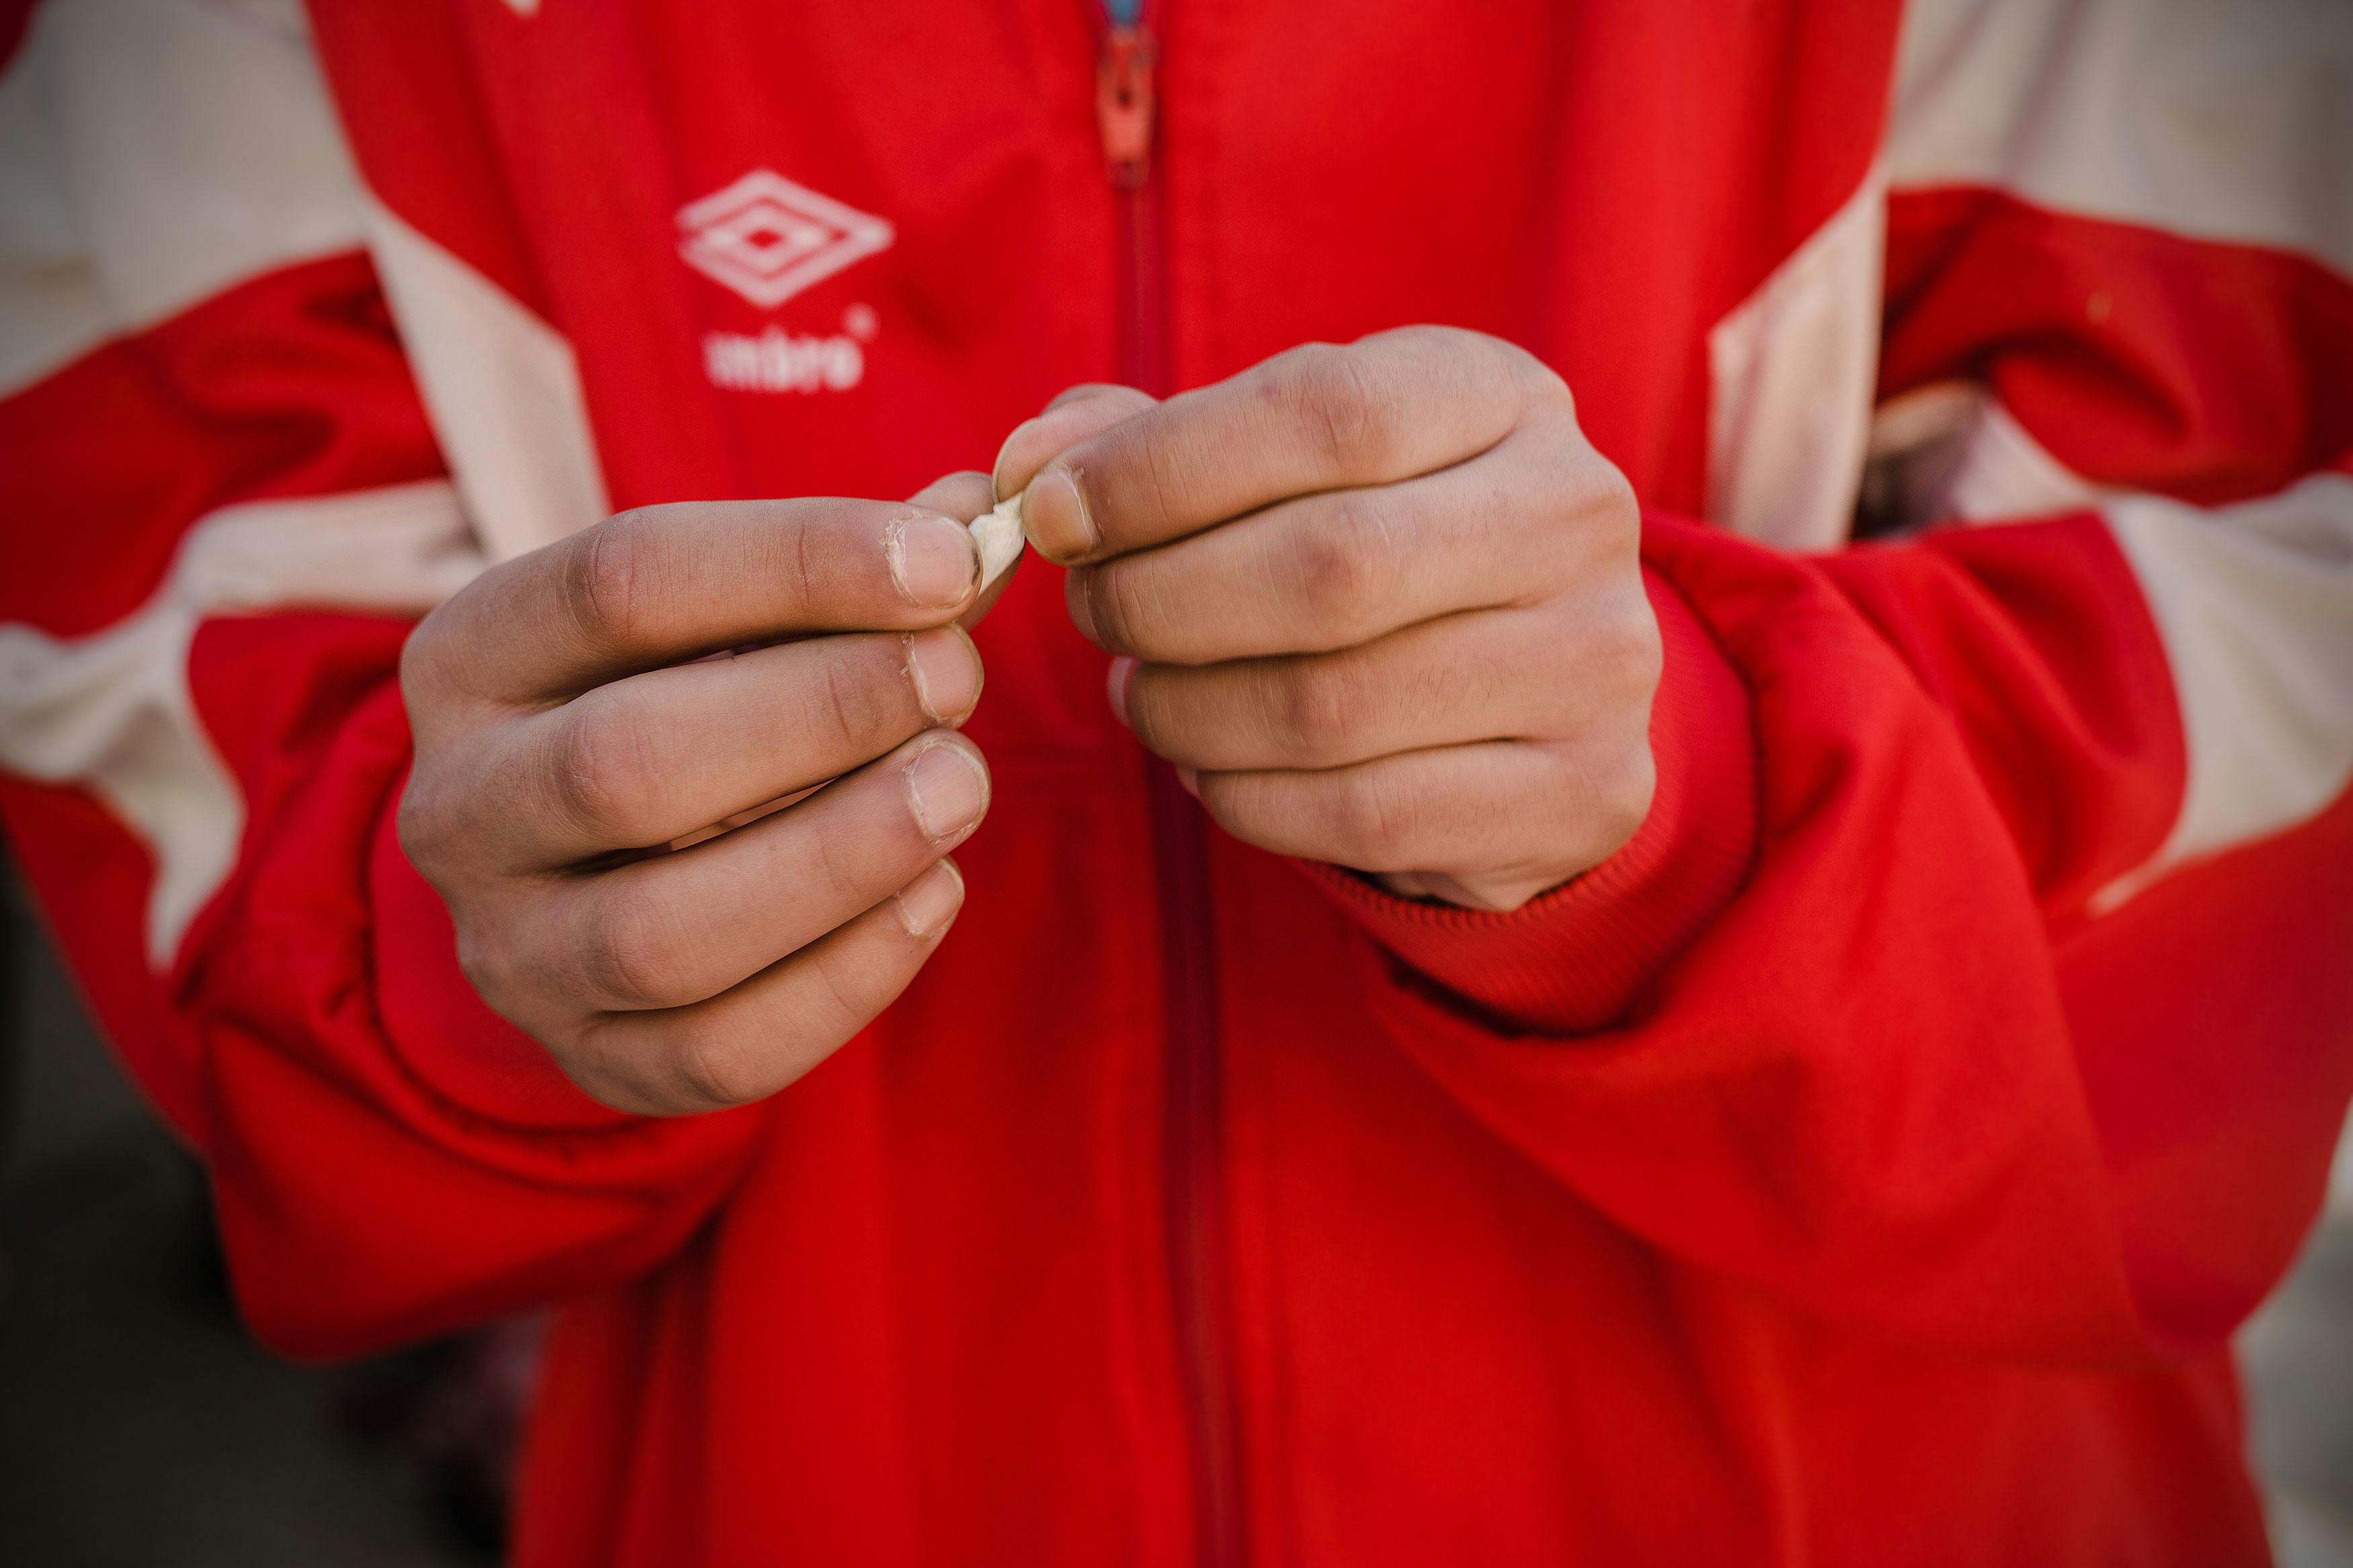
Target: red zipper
{"type": "Point", "coordinates": [1124, 115]}
{"type": "Point", "coordinates": [1193, 1173]}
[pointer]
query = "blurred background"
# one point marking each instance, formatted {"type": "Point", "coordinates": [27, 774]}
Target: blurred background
{"type": "Point", "coordinates": [140, 1428]}
{"type": "Point", "coordinates": [139, 1424]}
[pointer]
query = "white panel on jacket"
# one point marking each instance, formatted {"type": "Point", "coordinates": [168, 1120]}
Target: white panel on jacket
{"type": "Point", "coordinates": [51, 311]}
{"type": "Point", "coordinates": [2256, 605]}
{"type": "Point", "coordinates": [2144, 111]}
{"type": "Point", "coordinates": [112, 711]}
{"type": "Point", "coordinates": [502, 388]}
{"type": "Point", "coordinates": [154, 154]}
{"type": "Point", "coordinates": [158, 152]}
{"type": "Point", "coordinates": [2221, 120]}
{"type": "Point", "coordinates": [1791, 376]}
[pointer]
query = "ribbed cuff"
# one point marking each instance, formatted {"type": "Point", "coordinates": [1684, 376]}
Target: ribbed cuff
{"type": "Point", "coordinates": [1576, 958]}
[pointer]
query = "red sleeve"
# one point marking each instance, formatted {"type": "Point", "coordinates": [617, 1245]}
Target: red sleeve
{"type": "Point", "coordinates": [360, 1097]}
{"type": "Point", "coordinates": [226, 506]}
{"type": "Point", "coordinates": [2025, 1023]}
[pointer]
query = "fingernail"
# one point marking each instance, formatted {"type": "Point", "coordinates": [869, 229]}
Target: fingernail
{"type": "Point", "coordinates": [932, 560]}
{"type": "Point", "coordinates": [1191, 779]}
{"type": "Point", "coordinates": [997, 469]}
{"type": "Point", "coordinates": [946, 790]}
{"type": "Point", "coordinates": [932, 900]}
{"type": "Point", "coordinates": [945, 669]}
{"type": "Point", "coordinates": [1054, 510]}
{"type": "Point", "coordinates": [1116, 682]}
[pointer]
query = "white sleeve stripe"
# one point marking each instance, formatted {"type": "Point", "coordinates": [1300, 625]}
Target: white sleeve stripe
{"type": "Point", "coordinates": [112, 711]}
{"type": "Point", "coordinates": [502, 386]}
{"type": "Point", "coordinates": [153, 154]}
{"type": "Point", "coordinates": [51, 311]}
{"type": "Point", "coordinates": [1791, 374]}
{"type": "Point", "coordinates": [2254, 603]}
{"type": "Point", "coordinates": [2223, 120]}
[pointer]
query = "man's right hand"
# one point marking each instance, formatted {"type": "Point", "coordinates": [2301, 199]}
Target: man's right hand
{"type": "Point", "coordinates": [569, 727]}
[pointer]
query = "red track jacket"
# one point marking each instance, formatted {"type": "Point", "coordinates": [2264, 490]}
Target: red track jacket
{"type": "Point", "coordinates": [1866, 1166]}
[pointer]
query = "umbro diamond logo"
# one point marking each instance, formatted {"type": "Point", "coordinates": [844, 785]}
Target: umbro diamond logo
{"type": "Point", "coordinates": [768, 238]}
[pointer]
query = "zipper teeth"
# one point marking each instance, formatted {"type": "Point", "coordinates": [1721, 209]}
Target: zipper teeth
{"type": "Point", "coordinates": [1193, 1169]}
{"type": "Point", "coordinates": [1194, 1150]}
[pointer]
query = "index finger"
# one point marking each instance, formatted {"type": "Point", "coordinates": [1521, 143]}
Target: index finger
{"type": "Point", "coordinates": [1317, 417]}
{"type": "Point", "coordinates": [662, 585]}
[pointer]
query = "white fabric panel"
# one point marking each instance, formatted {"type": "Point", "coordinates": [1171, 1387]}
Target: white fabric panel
{"type": "Point", "coordinates": [51, 310]}
{"type": "Point", "coordinates": [1791, 374]}
{"type": "Point", "coordinates": [158, 152]}
{"type": "Point", "coordinates": [2256, 605]}
{"type": "Point", "coordinates": [153, 154]}
{"type": "Point", "coordinates": [2227, 119]}
{"type": "Point", "coordinates": [502, 388]}
{"type": "Point", "coordinates": [400, 550]}
{"type": "Point", "coordinates": [112, 711]}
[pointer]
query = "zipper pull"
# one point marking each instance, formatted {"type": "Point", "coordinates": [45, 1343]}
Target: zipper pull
{"type": "Point", "coordinates": [1123, 104]}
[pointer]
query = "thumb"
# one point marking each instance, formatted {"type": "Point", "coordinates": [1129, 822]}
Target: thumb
{"type": "Point", "coordinates": [964, 496]}
{"type": "Point", "coordinates": [1082, 411]}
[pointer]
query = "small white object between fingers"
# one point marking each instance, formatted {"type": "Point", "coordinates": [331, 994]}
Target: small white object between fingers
{"type": "Point", "coordinates": [998, 533]}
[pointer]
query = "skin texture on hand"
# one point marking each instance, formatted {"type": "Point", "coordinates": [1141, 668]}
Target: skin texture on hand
{"type": "Point", "coordinates": [1381, 603]}
{"type": "Point", "coordinates": [779, 645]}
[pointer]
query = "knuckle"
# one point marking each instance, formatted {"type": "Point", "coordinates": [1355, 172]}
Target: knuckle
{"type": "Point", "coordinates": [419, 827]}
{"type": "Point", "coordinates": [1347, 570]}
{"type": "Point", "coordinates": [1645, 652]}
{"type": "Point", "coordinates": [1370, 819]}
{"type": "Point", "coordinates": [1123, 605]}
{"type": "Point", "coordinates": [599, 770]}
{"type": "Point", "coordinates": [486, 964]}
{"type": "Point", "coordinates": [421, 662]}
{"type": "Point", "coordinates": [719, 1060]}
{"type": "Point", "coordinates": [844, 702]}
{"type": "Point", "coordinates": [843, 866]}
{"type": "Point", "coordinates": [1624, 652]}
{"type": "Point", "coordinates": [1609, 788]}
{"type": "Point", "coordinates": [1628, 786]}
{"type": "Point", "coordinates": [1590, 499]}
{"type": "Point", "coordinates": [861, 704]}
{"type": "Point", "coordinates": [628, 950]}
{"type": "Point", "coordinates": [609, 578]}
{"type": "Point", "coordinates": [505, 960]}
{"type": "Point", "coordinates": [1586, 520]}
{"type": "Point", "coordinates": [1615, 502]}
{"type": "Point", "coordinates": [1337, 402]}
{"type": "Point", "coordinates": [845, 975]}
{"type": "Point", "coordinates": [1317, 700]}
{"type": "Point", "coordinates": [710, 1067]}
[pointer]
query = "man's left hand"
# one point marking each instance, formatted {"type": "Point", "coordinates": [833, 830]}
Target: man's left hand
{"type": "Point", "coordinates": [1380, 604]}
